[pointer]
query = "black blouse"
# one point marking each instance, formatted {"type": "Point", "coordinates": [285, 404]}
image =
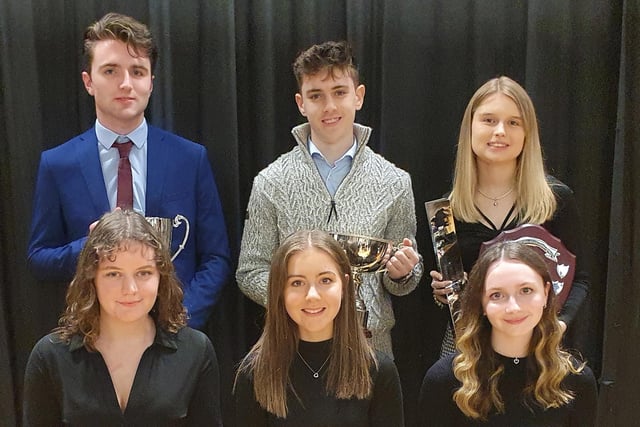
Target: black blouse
{"type": "Point", "coordinates": [439, 409]}
{"type": "Point", "coordinates": [176, 384]}
{"type": "Point", "coordinates": [316, 408]}
{"type": "Point", "coordinates": [564, 225]}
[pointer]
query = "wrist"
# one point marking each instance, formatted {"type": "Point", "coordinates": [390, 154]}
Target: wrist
{"type": "Point", "coordinates": [415, 271]}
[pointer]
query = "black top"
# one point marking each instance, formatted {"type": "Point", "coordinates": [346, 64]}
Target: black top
{"type": "Point", "coordinates": [439, 409]}
{"type": "Point", "coordinates": [383, 409]}
{"type": "Point", "coordinates": [176, 383]}
{"type": "Point", "coordinates": [564, 225]}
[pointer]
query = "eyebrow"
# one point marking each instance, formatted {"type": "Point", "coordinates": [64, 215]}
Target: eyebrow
{"type": "Point", "coordinates": [114, 267]}
{"type": "Point", "coordinates": [499, 288]}
{"type": "Point", "coordinates": [314, 90]}
{"type": "Point", "coordinates": [319, 274]}
{"type": "Point", "coordinates": [494, 114]}
{"type": "Point", "coordinates": [110, 64]}
{"type": "Point", "coordinates": [115, 65]}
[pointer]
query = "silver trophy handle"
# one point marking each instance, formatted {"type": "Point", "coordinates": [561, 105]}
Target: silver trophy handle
{"type": "Point", "coordinates": [176, 223]}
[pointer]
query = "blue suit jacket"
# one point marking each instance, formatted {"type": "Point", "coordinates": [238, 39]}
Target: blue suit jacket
{"type": "Point", "coordinates": [70, 194]}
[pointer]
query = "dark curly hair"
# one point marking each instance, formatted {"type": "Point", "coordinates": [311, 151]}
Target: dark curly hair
{"type": "Point", "coordinates": [330, 56]}
{"type": "Point", "coordinates": [114, 233]}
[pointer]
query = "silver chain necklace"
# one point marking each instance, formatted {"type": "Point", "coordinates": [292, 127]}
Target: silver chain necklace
{"type": "Point", "coordinates": [316, 374]}
{"type": "Point", "coordinates": [496, 199]}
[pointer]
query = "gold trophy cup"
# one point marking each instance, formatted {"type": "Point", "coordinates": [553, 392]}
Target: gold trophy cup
{"type": "Point", "coordinates": [366, 254]}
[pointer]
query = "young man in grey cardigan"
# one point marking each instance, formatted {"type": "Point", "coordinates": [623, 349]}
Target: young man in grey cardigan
{"type": "Point", "coordinates": [332, 181]}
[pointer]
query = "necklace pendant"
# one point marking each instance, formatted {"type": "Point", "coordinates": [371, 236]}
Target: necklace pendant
{"type": "Point", "coordinates": [516, 361]}
{"type": "Point", "coordinates": [495, 203]}
{"type": "Point", "coordinates": [316, 375]}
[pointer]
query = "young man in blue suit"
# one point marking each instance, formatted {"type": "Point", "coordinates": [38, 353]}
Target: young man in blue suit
{"type": "Point", "coordinates": [78, 180]}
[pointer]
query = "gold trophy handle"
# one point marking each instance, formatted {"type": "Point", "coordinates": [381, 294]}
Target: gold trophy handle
{"type": "Point", "coordinates": [179, 219]}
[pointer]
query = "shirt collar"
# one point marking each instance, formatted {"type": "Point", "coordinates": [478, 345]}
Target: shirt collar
{"type": "Point", "coordinates": [106, 137]}
{"type": "Point", "coordinates": [163, 338]}
{"type": "Point", "coordinates": [351, 152]}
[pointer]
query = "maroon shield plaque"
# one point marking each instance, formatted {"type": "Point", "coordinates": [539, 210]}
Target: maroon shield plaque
{"type": "Point", "coordinates": [560, 261]}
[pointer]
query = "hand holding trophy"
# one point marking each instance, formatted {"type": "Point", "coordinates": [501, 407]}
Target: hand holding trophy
{"type": "Point", "coordinates": [447, 251]}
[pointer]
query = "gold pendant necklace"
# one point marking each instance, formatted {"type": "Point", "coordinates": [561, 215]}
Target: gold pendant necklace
{"type": "Point", "coordinates": [496, 199]}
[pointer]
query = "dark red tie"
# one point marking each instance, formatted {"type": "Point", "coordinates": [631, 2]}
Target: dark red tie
{"type": "Point", "coordinates": [125, 181]}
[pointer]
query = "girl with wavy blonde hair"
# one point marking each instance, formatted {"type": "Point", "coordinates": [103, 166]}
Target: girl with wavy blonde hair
{"type": "Point", "coordinates": [511, 368]}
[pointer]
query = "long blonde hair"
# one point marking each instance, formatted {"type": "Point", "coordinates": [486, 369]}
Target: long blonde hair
{"type": "Point", "coordinates": [270, 359]}
{"type": "Point", "coordinates": [477, 366]}
{"type": "Point", "coordinates": [536, 202]}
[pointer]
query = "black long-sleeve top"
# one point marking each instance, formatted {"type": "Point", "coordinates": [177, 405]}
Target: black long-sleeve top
{"type": "Point", "coordinates": [564, 225]}
{"type": "Point", "coordinates": [176, 384]}
{"type": "Point", "coordinates": [439, 409]}
{"type": "Point", "coordinates": [317, 408]}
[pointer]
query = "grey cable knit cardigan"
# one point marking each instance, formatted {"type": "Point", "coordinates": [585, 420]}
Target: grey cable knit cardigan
{"type": "Point", "coordinates": [375, 199]}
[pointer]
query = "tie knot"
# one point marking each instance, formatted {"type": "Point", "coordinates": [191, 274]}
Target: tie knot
{"type": "Point", "coordinates": [124, 148]}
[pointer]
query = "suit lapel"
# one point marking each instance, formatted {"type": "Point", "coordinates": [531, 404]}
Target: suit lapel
{"type": "Point", "coordinates": [157, 159]}
{"type": "Point", "coordinates": [89, 164]}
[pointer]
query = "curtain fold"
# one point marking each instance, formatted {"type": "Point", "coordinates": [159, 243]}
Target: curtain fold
{"type": "Point", "coordinates": [619, 379]}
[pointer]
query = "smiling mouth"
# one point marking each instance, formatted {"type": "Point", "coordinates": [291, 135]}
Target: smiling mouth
{"type": "Point", "coordinates": [515, 321]}
{"type": "Point", "coordinates": [497, 144]}
{"type": "Point", "coordinates": [313, 310]}
{"type": "Point", "coordinates": [331, 120]}
{"type": "Point", "coordinates": [127, 303]}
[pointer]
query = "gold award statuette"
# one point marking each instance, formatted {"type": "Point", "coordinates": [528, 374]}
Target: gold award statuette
{"type": "Point", "coordinates": [445, 246]}
{"type": "Point", "coordinates": [366, 255]}
{"type": "Point", "coordinates": [165, 226]}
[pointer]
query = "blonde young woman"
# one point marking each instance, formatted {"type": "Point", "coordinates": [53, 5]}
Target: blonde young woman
{"type": "Point", "coordinates": [500, 182]}
{"type": "Point", "coordinates": [312, 366]}
{"type": "Point", "coordinates": [122, 354]}
{"type": "Point", "coordinates": [511, 369]}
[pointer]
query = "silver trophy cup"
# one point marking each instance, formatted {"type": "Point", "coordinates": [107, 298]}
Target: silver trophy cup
{"type": "Point", "coordinates": [366, 254]}
{"type": "Point", "coordinates": [165, 226]}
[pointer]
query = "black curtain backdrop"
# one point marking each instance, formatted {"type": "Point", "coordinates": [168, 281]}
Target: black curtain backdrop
{"type": "Point", "coordinates": [224, 80]}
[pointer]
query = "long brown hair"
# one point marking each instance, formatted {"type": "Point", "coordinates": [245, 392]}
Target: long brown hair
{"type": "Point", "coordinates": [271, 357]}
{"type": "Point", "coordinates": [112, 234]}
{"type": "Point", "coordinates": [477, 366]}
{"type": "Point", "coordinates": [536, 202]}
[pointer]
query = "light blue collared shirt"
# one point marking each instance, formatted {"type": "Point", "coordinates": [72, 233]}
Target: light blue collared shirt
{"type": "Point", "coordinates": [332, 175]}
{"type": "Point", "coordinates": [109, 159]}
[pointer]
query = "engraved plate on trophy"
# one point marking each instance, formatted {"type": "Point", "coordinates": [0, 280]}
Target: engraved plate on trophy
{"type": "Point", "coordinates": [165, 226]}
{"type": "Point", "coordinates": [447, 250]}
{"type": "Point", "coordinates": [366, 254]}
{"type": "Point", "coordinates": [560, 261]}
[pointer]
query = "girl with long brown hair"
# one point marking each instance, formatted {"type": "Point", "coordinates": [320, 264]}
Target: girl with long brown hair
{"type": "Point", "coordinates": [312, 366]}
